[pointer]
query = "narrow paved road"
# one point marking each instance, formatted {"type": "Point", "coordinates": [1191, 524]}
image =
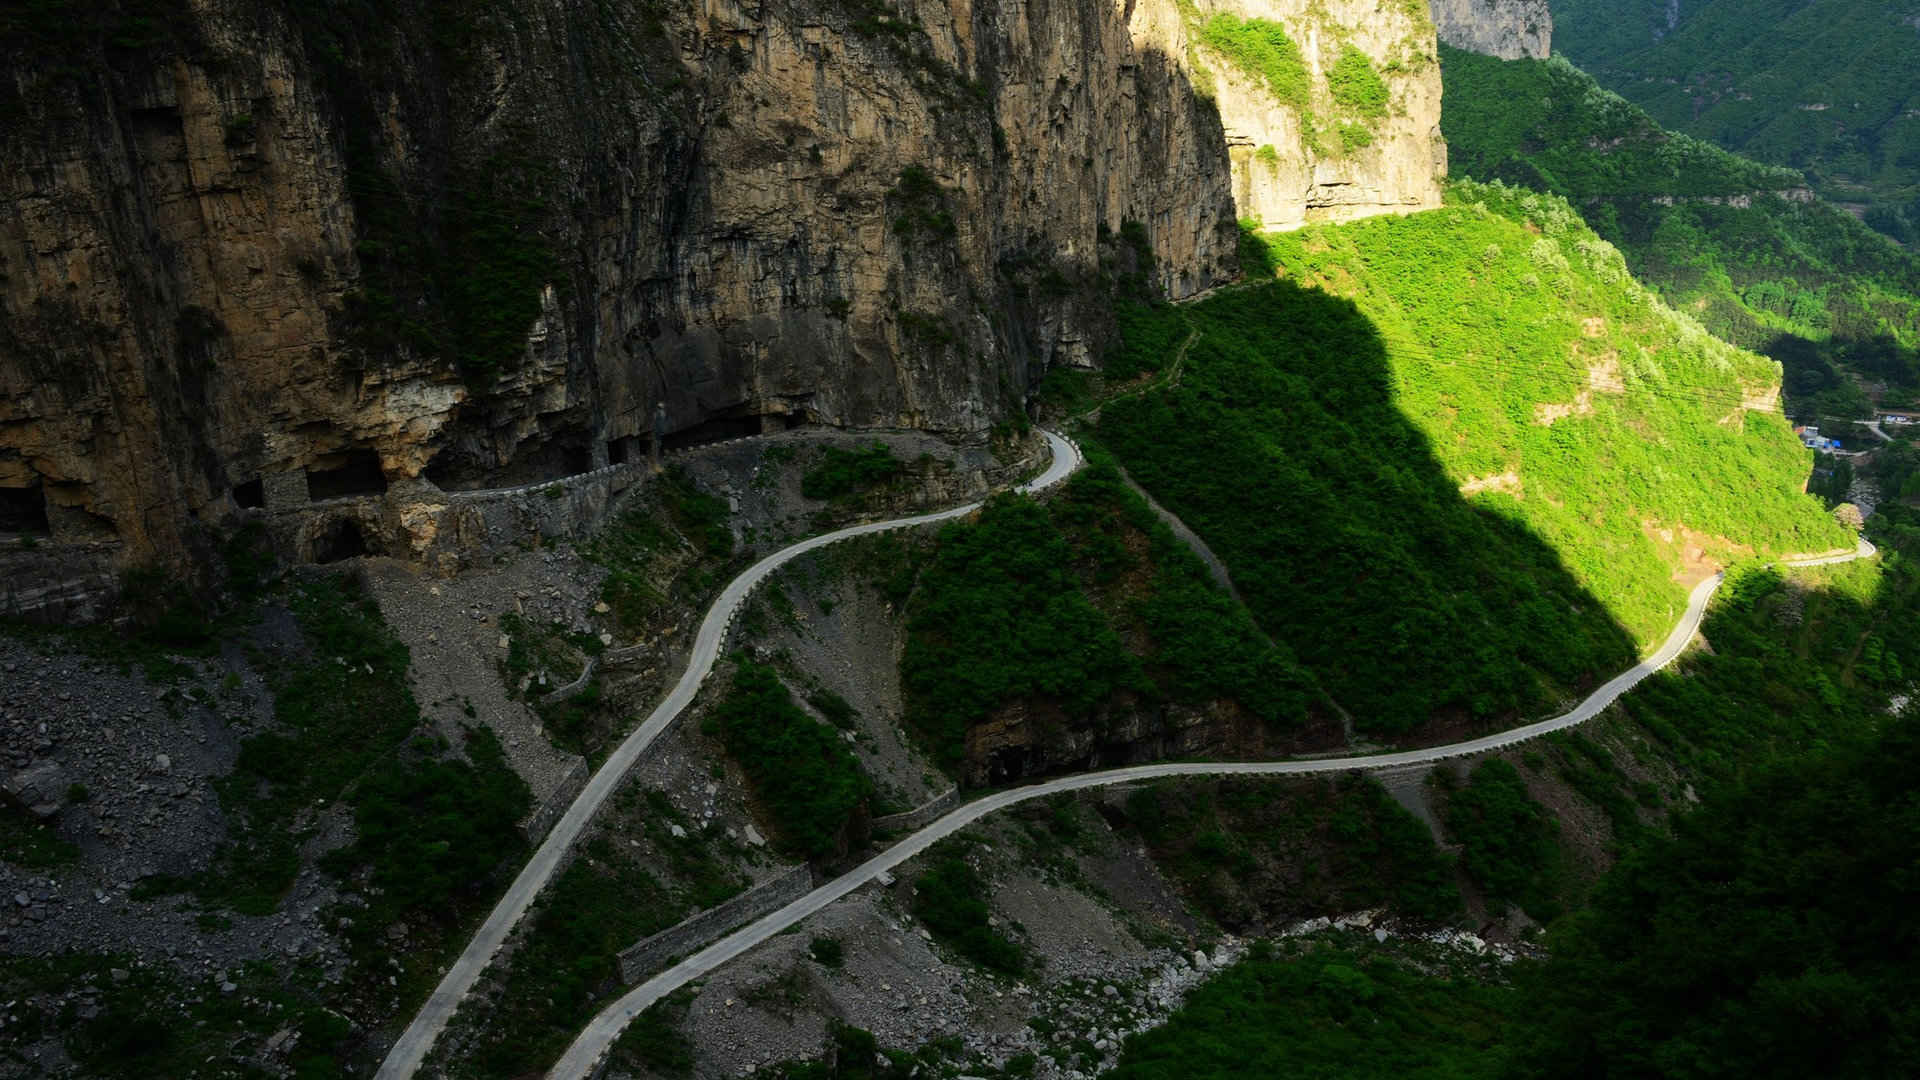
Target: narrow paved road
{"type": "Point", "coordinates": [411, 1048]}
{"type": "Point", "coordinates": [584, 1056]}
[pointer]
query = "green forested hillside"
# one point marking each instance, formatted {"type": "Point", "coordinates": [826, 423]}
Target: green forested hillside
{"type": "Point", "coordinates": [1459, 481]}
{"type": "Point", "coordinates": [1821, 85]}
{"type": "Point", "coordinates": [1803, 281]}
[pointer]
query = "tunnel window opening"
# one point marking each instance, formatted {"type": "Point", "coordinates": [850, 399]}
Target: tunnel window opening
{"type": "Point", "coordinates": [576, 460]}
{"type": "Point", "coordinates": [360, 474]}
{"type": "Point", "coordinates": [713, 431]}
{"type": "Point", "coordinates": [251, 495]}
{"type": "Point", "coordinates": [616, 451]}
{"type": "Point", "coordinates": [23, 511]}
{"type": "Point", "coordinates": [341, 540]}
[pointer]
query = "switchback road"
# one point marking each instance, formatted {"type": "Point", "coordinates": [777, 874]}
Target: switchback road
{"type": "Point", "coordinates": [583, 1057]}
{"type": "Point", "coordinates": [411, 1048]}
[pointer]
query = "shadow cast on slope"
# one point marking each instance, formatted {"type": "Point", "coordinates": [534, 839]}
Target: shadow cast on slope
{"type": "Point", "coordinates": [1422, 614]}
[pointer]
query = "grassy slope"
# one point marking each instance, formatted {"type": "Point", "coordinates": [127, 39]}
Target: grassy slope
{"type": "Point", "coordinates": [1739, 74]}
{"type": "Point", "coordinates": [1319, 445]}
{"type": "Point", "coordinates": [1758, 276]}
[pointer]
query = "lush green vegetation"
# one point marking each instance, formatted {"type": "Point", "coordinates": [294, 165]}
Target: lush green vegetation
{"type": "Point", "coordinates": [1148, 340]}
{"type": "Point", "coordinates": [801, 771]}
{"type": "Point", "coordinates": [1262, 49]}
{"type": "Point", "coordinates": [843, 473]}
{"type": "Point", "coordinates": [1508, 843]}
{"type": "Point", "coordinates": [1322, 445]}
{"type": "Point", "coordinates": [1769, 936]}
{"type": "Point", "coordinates": [1792, 666]}
{"type": "Point", "coordinates": [1355, 86]}
{"type": "Point", "coordinates": [1072, 604]}
{"type": "Point", "coordinates": [1351, 1012]}
{"type": "Point", "coordinates": [1820, 85]}
{"type": "Point", "coordinates": [1254, 852]}
{"type": "Point", "coordinates": [1805, 282]}
{"type": "Point", "coordinates": [951, 899]}
{"type": "Point", "coordinates": [1000, 614]}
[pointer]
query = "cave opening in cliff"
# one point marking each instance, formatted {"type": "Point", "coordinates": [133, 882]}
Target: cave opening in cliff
{"type": "Point", "coordinates": [626, 450]}
{"type": "Point", "coordinates": [251, 495]}
{"type": "Point", "coordinates": [358, 474]}
{"type": "Point", "coordinates": [23, 511]}
{"type": "Point", "coordinates": [718, 429]}
{"type": "Point", "coordinates": [342, 539]}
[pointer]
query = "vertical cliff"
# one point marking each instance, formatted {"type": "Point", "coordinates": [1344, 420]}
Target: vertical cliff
{"type": "Point", "coordinates": [258, 257]}
{"type": "Point", "coordinates": [1331, 109]}
{"type": "Point", "coordinates": [1508, 29]}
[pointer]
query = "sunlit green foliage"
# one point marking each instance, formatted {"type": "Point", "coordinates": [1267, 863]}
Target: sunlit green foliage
{"type": "Point", "coordinates": [1319, 446]}
{"type": "Point", "coordinates": [1262, 49]}
{"type": "Point", "coordinates": [1803, 281]}
{"type": "Point", "coordinates": [1355, 86]}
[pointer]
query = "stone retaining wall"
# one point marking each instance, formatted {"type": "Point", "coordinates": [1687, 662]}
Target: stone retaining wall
{"type": "Point", "coordinates": [920, 816]}
{"type": "Point", "coordinates": [651, 954]}
{"type": "Point", "coordinates": [543, 819]}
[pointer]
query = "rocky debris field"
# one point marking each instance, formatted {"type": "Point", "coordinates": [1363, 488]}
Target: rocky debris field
{"type": "Point", "coordinates": [132, 763]}
{"type": "Point", "coordinates": [451, 626]}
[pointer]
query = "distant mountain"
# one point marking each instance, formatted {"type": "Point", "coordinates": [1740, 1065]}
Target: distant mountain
{"type": "Point", "coordinates": [1744, 247]}
{"type": "Point", "coordinates": [1827, 86]}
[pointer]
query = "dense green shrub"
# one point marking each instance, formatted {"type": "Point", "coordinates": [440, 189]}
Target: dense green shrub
{"type": "Point", "coordinates": [1820, 85]}
{"type": "Point", "coordinates": [800, 769]}
{"type": "Point", "coordinates": [1000, 615]}
{"type": "Point", "coordinates": [1148, 340]}
{"type": "Point", "coordinates": [1805, 282]}
{"type": "Point", "coordinates": [1355, 86]}
{"type": "Point", "coordinates": [1256, 852]}
{"type": "Point", "coordinates": [841, 473]}
{"type": "Point", "coordinates": [1769, 936]}
{"type": "Point", "coordinates": [429, 829]}
{"type": "Point", "coordinates": [951, 899]}
{"type": "Point", "coordinates": [1333, 1012]}
{"type": "Point", "coordinates": [1509, 844]}
{"type": "Point", "coordinates": [1262, 49]}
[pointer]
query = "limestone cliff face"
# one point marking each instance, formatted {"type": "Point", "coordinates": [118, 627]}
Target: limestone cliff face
{"type": "Point", "coordinates": [1508, 29]}
{"type": "Point", "coordinates": [255, 257]}
{"type": "Point", "coordinates": [1318, 154]}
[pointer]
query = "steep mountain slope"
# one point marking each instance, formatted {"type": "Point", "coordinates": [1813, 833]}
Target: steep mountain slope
{"type": "Point", "coordinates": [1743, 247]}
{"type": "Point", "coordinates": [1824, 86]}
{"type": "Point", "coordinates": [1470, 483]}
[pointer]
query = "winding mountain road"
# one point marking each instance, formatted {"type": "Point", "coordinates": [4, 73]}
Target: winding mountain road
{"type": "Point", "coordinates": [411, 1049]}
{"type": "Point", "coordinates": [583, 1057]}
